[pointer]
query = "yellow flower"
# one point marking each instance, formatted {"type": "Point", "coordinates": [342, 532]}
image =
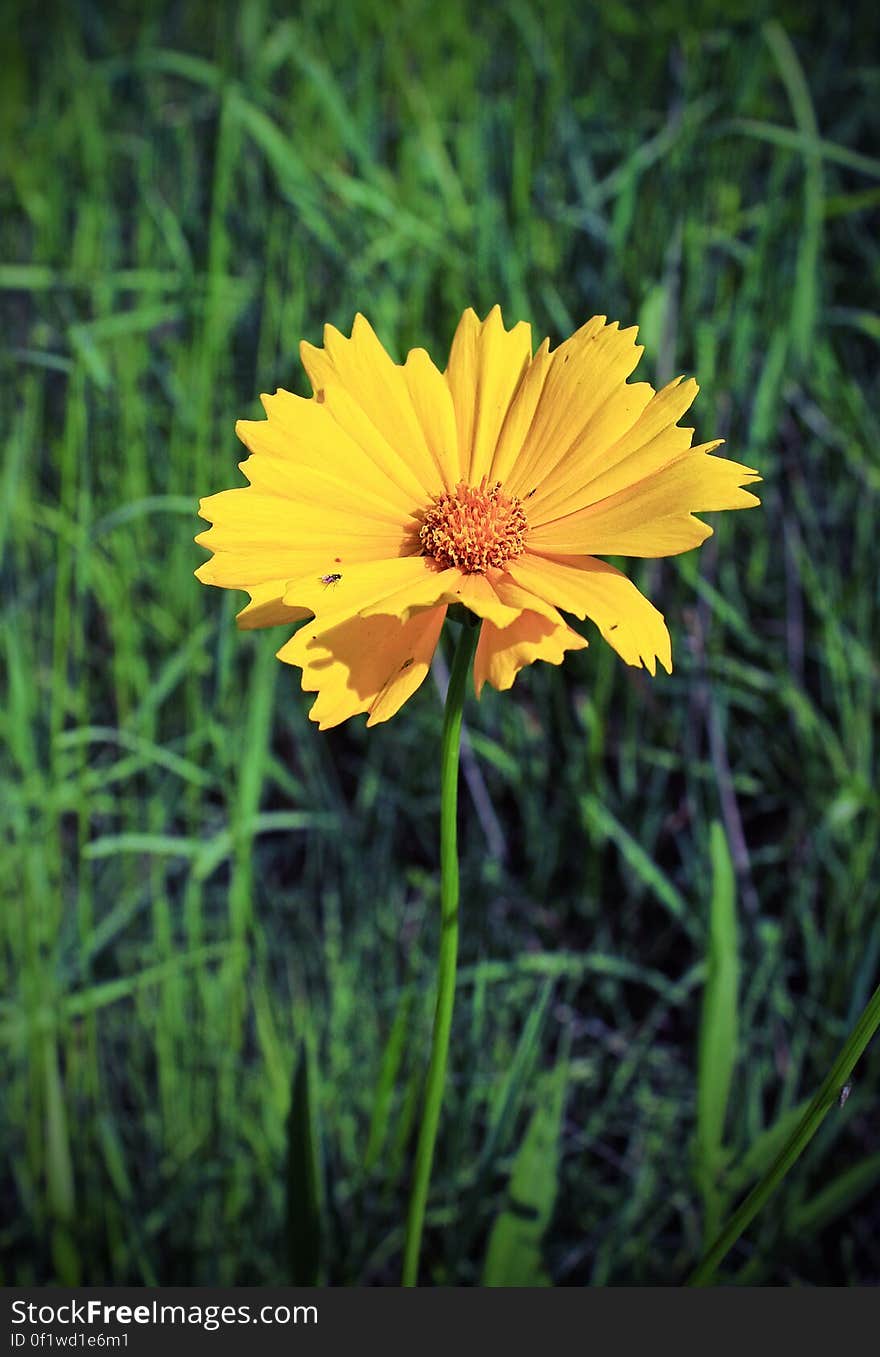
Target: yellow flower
{"type": "Point", "coordinates": [397, 490]}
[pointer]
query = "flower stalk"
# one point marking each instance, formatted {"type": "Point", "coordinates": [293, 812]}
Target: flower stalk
{"type": "Point", "coordinates": [448, 957]}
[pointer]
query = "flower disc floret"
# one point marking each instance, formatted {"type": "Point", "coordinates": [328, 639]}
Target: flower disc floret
{"type": "Point", "coordinates": [477, 527]}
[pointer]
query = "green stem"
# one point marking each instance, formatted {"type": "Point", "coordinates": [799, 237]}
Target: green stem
{"type": "Point", "coordinates": [467, 643]}
{"type": "Point", "coordinates": [797, 1142]}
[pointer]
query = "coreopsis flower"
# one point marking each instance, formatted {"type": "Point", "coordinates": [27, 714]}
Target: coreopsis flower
{"type": "Point", "coordinates": [397, 490]}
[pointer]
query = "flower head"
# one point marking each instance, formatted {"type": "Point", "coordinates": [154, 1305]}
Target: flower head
{"type": "Point", "coordinates": [397, 490]}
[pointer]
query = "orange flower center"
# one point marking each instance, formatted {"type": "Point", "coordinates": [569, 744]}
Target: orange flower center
{"type": "Point", "coordinates": [477, 527]}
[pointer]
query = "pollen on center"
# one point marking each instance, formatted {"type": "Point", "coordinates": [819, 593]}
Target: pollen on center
{"type": "Point", "coordinates": [477, 527]}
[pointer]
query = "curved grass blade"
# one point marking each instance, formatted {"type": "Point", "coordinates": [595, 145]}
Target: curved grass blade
{"type": "Point", "coordinates": [719, 1030]}
{"type": "Point", "coordinates": [826, 1098]}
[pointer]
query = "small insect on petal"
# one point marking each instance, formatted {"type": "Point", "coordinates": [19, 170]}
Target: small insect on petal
{"type": "Point", "coordinates": [330, 579]}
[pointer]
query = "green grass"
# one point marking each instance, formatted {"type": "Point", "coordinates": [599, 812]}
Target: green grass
{"type": "Point", "coordinates": [198, 886]}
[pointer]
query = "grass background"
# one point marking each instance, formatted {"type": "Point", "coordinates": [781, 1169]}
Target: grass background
{"type": "Point", "coordinates": [198, 885]}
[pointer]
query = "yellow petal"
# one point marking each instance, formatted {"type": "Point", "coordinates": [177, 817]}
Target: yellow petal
{"type": "Point", "coordinates": [364, 665]}
{"type": "Point", "coordinates": [394, 587]}
{"type": "Point", "coordinates": [262, 540]}
{"type": "Point", "coordinates": [432, 402]}
{"type": "Point", "coordinates": [486, 365]}
{"type": "Point", "coordinates": [245, 518]}
{"type": "Point", "coordinates": [653, 516]}
{"type": "Point", "coordinates": [586, 373]}
{"type": "Point", "coordinates": [520, 415]}
{"type": "Point", "coordinates": [653, 440]}
{"type": "Point", "coordinates": [267, 609]}
{"type": "Point", "coordinates": [514, 596]}
{"type": "Point", "coordinates": [327, 490]}
{"type": "Point", "coordinates": [411, 477]}
{"type": "Point", "coordinates": [582, 463]}
{"type": "Point", "coordinates": [378, 387]}
{"type": "Point", "coordinates": [501, 654]}
{"type": "Point", "coordinates": [482, 594]}
{"type": "Point", "coordinates": [594, 589]}
{"type": "Point", "coordinates": [479, 594]}
{"type": "Point", "coordinates": [244, 569]}
{"type": "Point", "coordinates": [398, 587]}
{"type": "Point", "coordinates": [304, 434]}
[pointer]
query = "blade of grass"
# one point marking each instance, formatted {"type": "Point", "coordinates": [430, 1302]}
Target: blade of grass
{"type": "Point", "coordinates": [391, 1060]}
{"type": "Point", "coordinates": [805, 295]}
{"type": "Point", "coordinates": [603, 825]}
{"type": "Point", "coordinates": [513, 1257]}
{"type": "Point", "coordinates": [824, 1099]}
{"type": "Point", "coordinates": [719, 1030]}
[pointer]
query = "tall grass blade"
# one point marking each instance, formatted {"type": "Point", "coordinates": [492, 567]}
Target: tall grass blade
{"type": "Point", "coordinates": [719, 1029]}
{"type": "Point", "coordinates": [513, 1257]}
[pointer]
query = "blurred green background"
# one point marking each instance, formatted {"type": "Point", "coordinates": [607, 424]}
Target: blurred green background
{"type": "Point", "coordinates": [200, 889]}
